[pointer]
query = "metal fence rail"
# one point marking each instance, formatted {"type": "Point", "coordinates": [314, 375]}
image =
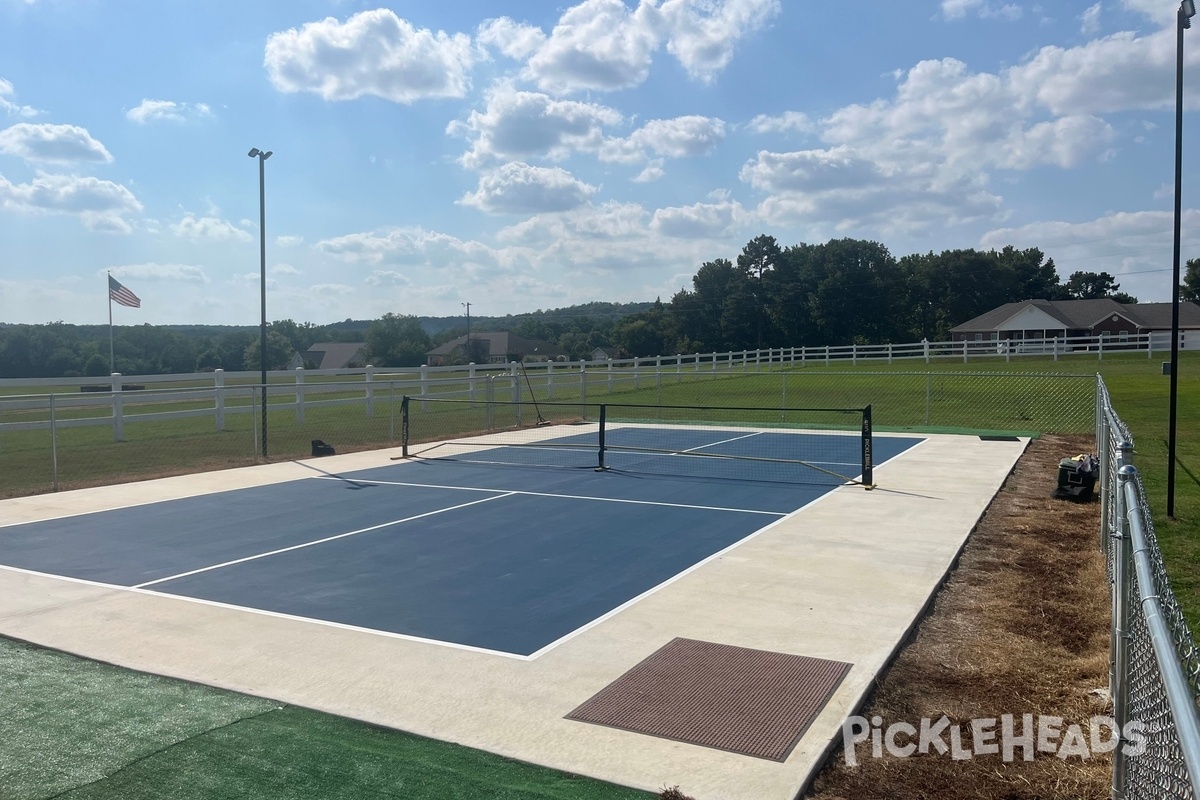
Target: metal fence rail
{"type": "Point", "coordinates": [1154, 675]}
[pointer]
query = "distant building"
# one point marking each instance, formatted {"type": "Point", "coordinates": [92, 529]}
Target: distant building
{"type": "Point", "coordinates": [604, 353]}
{"type": "Point", "coordinates": [332, 355]}
{"type": "Point", "coordinates": [498, 347]}
{"type": "Point", "coordinates": [1056, 319]}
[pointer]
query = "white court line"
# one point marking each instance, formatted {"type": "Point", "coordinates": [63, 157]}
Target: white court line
{"type": "Point", "coordinates": [679, 576]}
{"type": "Point", "coordinates": [723, 441]}
{"type": "Point", "coordinates": [320, 541]}
{"type": "Point", "coordinates": [566, 496]}
{"type": "Point", "coordinates": [277, 614]}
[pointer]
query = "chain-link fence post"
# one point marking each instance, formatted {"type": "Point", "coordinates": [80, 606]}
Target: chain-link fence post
{"type": "Point", "coordinates": [1119, 650]}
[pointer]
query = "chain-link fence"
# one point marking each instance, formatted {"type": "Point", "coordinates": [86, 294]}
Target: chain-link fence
{"type": "Point", "coordinates": [68, 440]}
{"type": "Point", "coordinates": [1155, 666]}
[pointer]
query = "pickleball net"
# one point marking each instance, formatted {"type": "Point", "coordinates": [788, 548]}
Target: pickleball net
{"type": "Point", "coordinates": [831, 446]}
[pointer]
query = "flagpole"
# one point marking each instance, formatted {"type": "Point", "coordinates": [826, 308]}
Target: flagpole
{"type": "Point", "coordinates": [112, 367]}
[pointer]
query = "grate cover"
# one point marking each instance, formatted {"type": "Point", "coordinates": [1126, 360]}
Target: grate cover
{"type": "Point", "coordinates": [754, 702]}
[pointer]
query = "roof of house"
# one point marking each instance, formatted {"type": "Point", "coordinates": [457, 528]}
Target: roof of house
{"type": "Point", "coordinates": [333, 355]}
{"type": "Point", "coordinates": [501, 342]}
{"type": "Point", "coordinates": [1083, 314]}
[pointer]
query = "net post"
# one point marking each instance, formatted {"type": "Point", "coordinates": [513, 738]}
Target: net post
{"type": "Point", "coordinates": [600, 451]}
{"type": "Point", "coordinates": [868, 477]}
{"type": "Point", "coordinates": [404, 408]}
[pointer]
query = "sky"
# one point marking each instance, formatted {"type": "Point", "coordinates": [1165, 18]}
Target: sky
{"type": "Point", "coordinates": [520, 155]}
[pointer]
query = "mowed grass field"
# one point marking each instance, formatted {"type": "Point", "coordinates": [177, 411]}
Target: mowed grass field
{"type": "Point", "coordinates": [77, 729]}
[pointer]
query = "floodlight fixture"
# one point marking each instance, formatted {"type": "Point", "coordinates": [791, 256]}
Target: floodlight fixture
{"type": "Point", "coordinates": [1187, 10]}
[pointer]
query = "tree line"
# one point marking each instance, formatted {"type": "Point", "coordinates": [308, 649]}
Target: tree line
{"type": "Point", "coordinates": [841, 292]}
{"type": "Point", "coordinates": [846, 291]}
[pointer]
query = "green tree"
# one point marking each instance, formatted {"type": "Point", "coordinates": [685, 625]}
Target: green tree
{"type": "Point", "coordinates": [1095, 285]}
{"type": "Point", "coordinates": [1189, 290]}
{"type": "Point", "coordinates": [279, 352]}
{"type": "Point", "coordinates": [397, 341]}
{"type": "Point", "coordinates": [96, 366]}
{"type": "Point", "coordinates": [760, 257]}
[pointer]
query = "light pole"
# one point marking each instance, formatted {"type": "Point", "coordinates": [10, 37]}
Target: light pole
{"type": "Point", "coordinates": [468, 307]}
{"type": "Point", "coordinates": [1187, 10]}
{"type": "Point", "coordinates": [262, 269]}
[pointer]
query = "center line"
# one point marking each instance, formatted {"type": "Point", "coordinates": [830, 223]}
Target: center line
{"type": "Point", "coordinates": [320, 541]}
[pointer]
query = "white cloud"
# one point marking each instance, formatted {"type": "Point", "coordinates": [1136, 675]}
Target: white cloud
{"type": "Point", "coordinates": [514, 39]}
{"type": "Point", "coordinates": [283, 269]}
{"type": "Point", "coordinates": [384, 277]}
{"type": "Point", "coordinates": [10, 107]}
{"type": "Point", "coordinates": [372, 53]}
{"type": "Point", "coordinates": [703, 34]}
{"type": "Point", "coordinates": [652, 172]}
{"type": "Point", "coordinates": [166, 110]}
{"type": "Point", "coordinates": [923, 157]}
{"type": "Point", "coordinates": [957, 9]}
{"type": "Point", "coordinates": [1089, 20]}
{"type": "Point", "coordinates": [166, 273]}
{"type": "Point", "coordinates": [193, 227]}
{"type": "Point", "coordinates": [407, 246]}
{"type": "Point", "coordinates": [699, 221]}
{"type": "Point", "coordinates": [101, 205]}
{"type": "Point", "coordinates": [787, 122]}
{"type": "Point", "coordinates": [598, 45]}
{"type": "Point", "coordinates": [525, 125]}
{"type": "Point", "coordinates": [289, 241]}
{"type": "Point", "coordinates": [518, 188]}
{"type": "Point", "coordinates": [1160, 13]}
{"type": "Point", "coordinates": [680, 137]}
{"type": "Point", "coordinates": [1134, 247]}
{"type": "Point", "coordinates": [1115, 73]}
{"type": "Point", "coordinates": [52, 143]}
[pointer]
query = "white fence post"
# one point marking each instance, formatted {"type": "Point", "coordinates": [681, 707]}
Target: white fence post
{"type": "Point", "coordinates": [610, 376]}
{"type": "Point", "coordinates": [516, 385]}
{"type": "Point", "coordinates": [582, 383]}
{"type": "Point", "coordinates": [118, 409]}
{"type": "Point", "coordinates": [370, 376]}
{"type": "Point", "coordinates": [925, 347]}
{"type": "Point", "coordinates": [550, 379]}
{"type": "Point", "coordinates": [299, 394]}
{"type": "Point", "coordinates": [637, 381]}
{"type": "Point", "coordinates": [219, 397]}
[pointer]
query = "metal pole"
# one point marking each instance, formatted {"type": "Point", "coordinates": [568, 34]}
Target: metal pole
{"type": "Point", "coordinates": [1181, 21]}
{"type": "Point", "coordinates": [262, 247]}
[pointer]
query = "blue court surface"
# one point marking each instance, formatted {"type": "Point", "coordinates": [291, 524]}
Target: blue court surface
{"type": "Point", "coordinates": [503, 557]}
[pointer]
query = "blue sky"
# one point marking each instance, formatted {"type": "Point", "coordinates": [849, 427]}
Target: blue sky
{"type": "Point", "coordinates": [521, 155]}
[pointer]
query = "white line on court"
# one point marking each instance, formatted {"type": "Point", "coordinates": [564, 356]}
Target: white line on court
{"type": "Point", "coordinates": [277, 614]}
{"type": "Point", "coordinates": [723, 441]}
{"type": "Point", "coordinates": [321, 541]}
{"type": "Point", "coordinates": [677, 576]}
{"type": "Point", "coordinates": [565, 496]}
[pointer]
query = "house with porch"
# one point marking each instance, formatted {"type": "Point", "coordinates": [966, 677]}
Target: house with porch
{"type": "Point", "coordinates": [1019, 325]}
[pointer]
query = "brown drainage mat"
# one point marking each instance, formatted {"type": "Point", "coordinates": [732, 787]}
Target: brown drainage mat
{"type": "Point", "coordinates": [752, 702]}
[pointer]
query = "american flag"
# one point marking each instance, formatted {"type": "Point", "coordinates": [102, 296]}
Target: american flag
{"type": "Point", "coordinates": [122, 295]}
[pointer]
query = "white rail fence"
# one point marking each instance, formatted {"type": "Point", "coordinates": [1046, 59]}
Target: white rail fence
{"type": "Point", "coordinates": [112, 401]}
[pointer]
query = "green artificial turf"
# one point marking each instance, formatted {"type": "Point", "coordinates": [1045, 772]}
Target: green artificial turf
{"type": "Point", "coordinates": [73, 728]}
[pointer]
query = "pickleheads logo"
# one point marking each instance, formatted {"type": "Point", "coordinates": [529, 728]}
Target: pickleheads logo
{"type": "Point", "coordinates": [991, 736]}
